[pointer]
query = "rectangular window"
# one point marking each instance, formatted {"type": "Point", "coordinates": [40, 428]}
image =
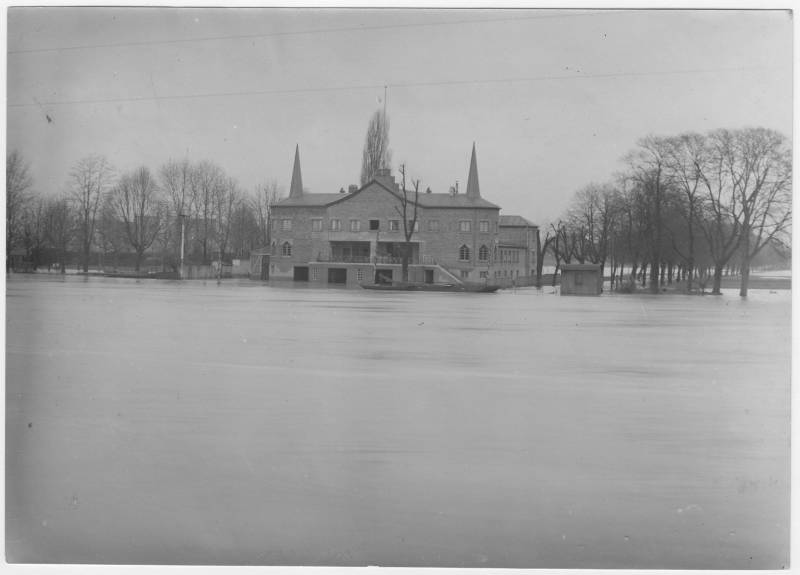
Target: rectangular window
{"type": "Point", "coordinates": [495, 227]}
{"type": "Point", "coordinates": [483, 226]}
{"type": "Point", "coordinates": [416, 225]}
{"type": "Point", "coordinates": [314, 274]}
{"type": "Point", "coordinates": [433, 225]}
{"type": "Point", "coordinates": [360, 275]}
{"type": "Point", "coordinates": [286, 225]}
{"type": "Point", "coordinates": [355, 225]}
{"type": "Point", "coordinates": [394, 225]}
{"type": "Point", "coordinates": [336, 225]}
{"type": "Point", "coordinates": [484, 275]}
{"type": "Point", "coordinates": [374, 225]}
{"type": "Point", "coordinates": [316, 225]}
{"type": "Point", "coordinates": [464, 274]}
{"type": "Point", "coordinates": [464, 226]}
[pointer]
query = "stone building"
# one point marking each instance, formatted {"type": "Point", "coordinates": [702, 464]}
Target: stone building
{"type": "Point", "coordinates": [357, 236]}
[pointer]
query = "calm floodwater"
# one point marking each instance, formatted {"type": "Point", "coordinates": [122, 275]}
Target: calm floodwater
{"type": "Point", "coordinates": [165, 422]}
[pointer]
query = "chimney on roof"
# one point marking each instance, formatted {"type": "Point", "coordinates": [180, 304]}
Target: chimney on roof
{"type": "Point", "coordinates": [352, 188]}
{"type": "Point", "coordinates": [384, 176]}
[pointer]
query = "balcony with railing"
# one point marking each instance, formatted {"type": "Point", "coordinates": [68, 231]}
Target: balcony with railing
{"type": "Point", "coordinates": [339, 258]}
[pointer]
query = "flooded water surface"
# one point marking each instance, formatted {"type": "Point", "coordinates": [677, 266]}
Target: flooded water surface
{"type": "Point", "coordinates": [191, 423]}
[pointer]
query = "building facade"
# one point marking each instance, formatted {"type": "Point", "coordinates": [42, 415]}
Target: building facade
{"type": "Point", "coordinates": [357, 236]}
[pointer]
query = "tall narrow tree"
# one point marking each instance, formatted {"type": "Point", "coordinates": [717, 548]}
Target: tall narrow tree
{"type": "Point", "coordinates": [376, 153]}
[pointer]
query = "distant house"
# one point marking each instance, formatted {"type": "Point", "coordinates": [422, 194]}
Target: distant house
{"type": "Point", "coordinates": [581, 279]}
{"type": "Point", "coordinates": [17, 260]}
{"type": "Point", "coordinates": [356, 236]}
{"type": "Point", "coordinates": [517, 251]}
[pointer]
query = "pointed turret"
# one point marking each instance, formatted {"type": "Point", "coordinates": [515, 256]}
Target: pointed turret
{"type": "Point", "coordinates": [473, 189]}
{"type": "Point", "coordinates": [296, 189]}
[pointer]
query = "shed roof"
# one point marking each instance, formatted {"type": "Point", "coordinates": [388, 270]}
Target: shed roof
{"type": "Point", "coordinates": [579, 267]}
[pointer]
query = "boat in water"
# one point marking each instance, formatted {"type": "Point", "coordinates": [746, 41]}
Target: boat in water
{"type": "Point", "coordinates": [439, 287]}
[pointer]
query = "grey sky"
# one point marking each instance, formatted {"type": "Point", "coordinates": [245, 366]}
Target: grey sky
{"type": "Point", "coordinates": [586, 86]}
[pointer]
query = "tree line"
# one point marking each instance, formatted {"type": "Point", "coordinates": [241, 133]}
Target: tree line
{"type": "Point", "coordinates": [690, 205]}
{"type": "Point", "coordinates": [110, 218]}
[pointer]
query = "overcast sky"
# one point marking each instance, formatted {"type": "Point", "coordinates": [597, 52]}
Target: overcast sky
{"type": "Point", "coordinates": [552, 99]}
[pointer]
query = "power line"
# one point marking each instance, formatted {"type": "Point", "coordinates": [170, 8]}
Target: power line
{"type": "Point", "coordinates": [357, 87]}
{"type": "Point", "coordinates": [310, 31]}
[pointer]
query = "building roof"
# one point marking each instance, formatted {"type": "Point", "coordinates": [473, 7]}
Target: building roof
{"type": "Point", "coordinates": [516, 221]}
{"type": "Point", "coordinates": [310, 200]}
{"type": "Point", "coordinates": [425, 200]}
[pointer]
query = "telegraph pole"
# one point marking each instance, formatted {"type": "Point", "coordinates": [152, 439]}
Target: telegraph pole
{"type": "Point", "coordinates": [183, 225]}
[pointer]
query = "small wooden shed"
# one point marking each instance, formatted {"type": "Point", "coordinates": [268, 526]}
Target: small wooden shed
{"type": "Point", "coordinates": [581, 279]}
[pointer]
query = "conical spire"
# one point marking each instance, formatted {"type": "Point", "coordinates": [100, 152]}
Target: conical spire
{"type": "Point", "coordinates": [473, 189]}
{"type": "Point", "coordinates": [296, 189]}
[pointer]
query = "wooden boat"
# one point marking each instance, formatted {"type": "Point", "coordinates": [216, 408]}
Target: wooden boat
{"type": "Point", "coordinates": [413, 286]}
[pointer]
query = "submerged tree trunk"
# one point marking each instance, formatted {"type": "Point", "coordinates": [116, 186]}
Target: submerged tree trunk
{"type": "Point", "coordinates": [404, 262]}
{"type": "Point", "coordinates": [138, 261]}
{"type": "Point", "coordinates": [654, 276]}
{"type": "Point", "coordinates": [717, 285]}
{"type": "Point", "coordinates": [745, 281]}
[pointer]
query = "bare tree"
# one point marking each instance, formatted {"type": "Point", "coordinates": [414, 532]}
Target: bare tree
{"type": "Point", "coordinates": [135, 201]}
{"type": "Point", "coordinates": [207, 179]}
{"type": "Point", "coordinates": [245, 233]}
{"type": "Point", "coordinates": [266, 196]}
{"type": "Point", "coordinates": [59, 228]}
{"type": "Point", "coordinates": [226, 199]}
{"type": "Point", "coordinates": [686, 160]}
{"type": "Point", "coordinates": [409, 225]}
{"type": "Point", "coordinates": [541, 250]}
{"type": "Point", "coordinates": [18, 188]}
{"type": "Point", "coordinates": [34, 228]}
{"type": "Point", "coordinates": [110, 232]}
{"type": "Point", "coordinates": [721, 219]}
{"type": "Point", "coordinates": [376, 154]}
{"type": "Point", "coordinates": [176, 180]}
{"type": "Point", "coordinates": [89, 180]}
{"type": "Point", "coordinates": [591, 218]}
{"type": "Point", "coordinates": [759, 163]}
{"type": "Point", "coordinates": [647, 165]}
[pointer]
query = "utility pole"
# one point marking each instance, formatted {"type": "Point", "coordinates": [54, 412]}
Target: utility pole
{"type": "Point", "coordinates": [183, 225]}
